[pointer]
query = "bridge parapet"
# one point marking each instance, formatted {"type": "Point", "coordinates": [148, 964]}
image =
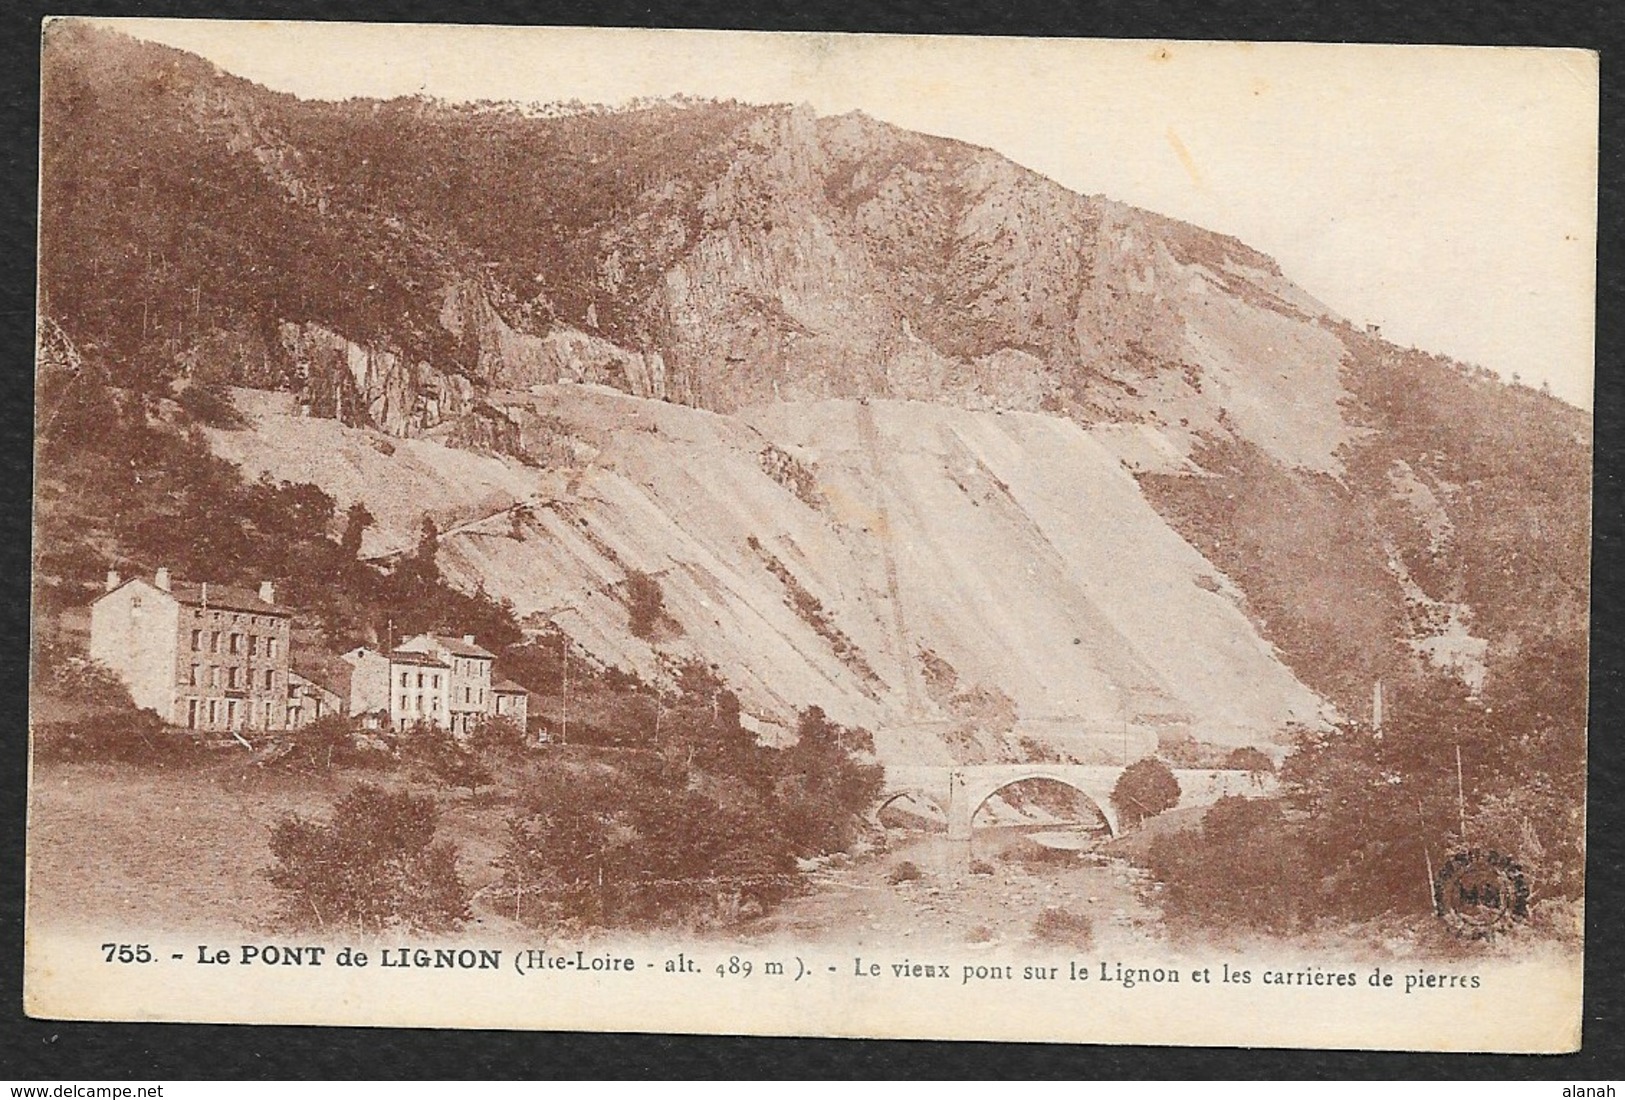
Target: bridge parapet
{"type": "Point", "coordinates": [960, 790]}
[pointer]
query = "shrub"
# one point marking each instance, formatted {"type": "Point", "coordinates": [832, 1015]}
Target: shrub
{"type": "Point", "coordinates": [646, 606]}
{"type": "Point", "coordinates": [496, 736]}
{"type": "Point", "coordinates": [1064, 926]}
{"type": "Point", "coordinates": [1253, 761]}
{"type": "Point", "coordinates": [123, 737]}
{"type": "Point", "coordinates": [437, 755]}
{"type": "Point", "coordinates": [322, 745]}
{"type": "Point", "coordinates": [1243, 869]}
{"type": "Point", "coordinates": [63, 668]}
{"type": "Point", "coordinates": [821, 789]}
{"type": "Point", "coordinates": [375, 866]}
{"type": "Point", "coordinates": [981, 867]}
{"type": "Point", "coordinates": [905, 871]}
{"type": "Point", "coordinates": [1146, 788]}
{"type": "Point", "coordinates": [211, 403]}
{"type": "Point", "coordinates": [595, 849]}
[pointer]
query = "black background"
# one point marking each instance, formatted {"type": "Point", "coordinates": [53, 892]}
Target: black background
{"type": "Point", "coordinates": [44, 1050]}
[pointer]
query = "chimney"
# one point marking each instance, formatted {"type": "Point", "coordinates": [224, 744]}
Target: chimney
{"type": "Point", "coordinates": [161, 579]}
{"type": "Point", "coordinates": [469, 638]}
{"type": "Point", "coordinates": [113, 579]}
{"type": "Point", "coordinates": [267, 592]}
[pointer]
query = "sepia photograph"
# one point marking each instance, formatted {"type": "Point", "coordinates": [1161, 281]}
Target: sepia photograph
{"type": "Point", "coordinates": [812, 534]}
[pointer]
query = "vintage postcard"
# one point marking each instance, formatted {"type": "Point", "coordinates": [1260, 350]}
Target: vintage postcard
{"type": "Point", "coordinates": [812, 534]}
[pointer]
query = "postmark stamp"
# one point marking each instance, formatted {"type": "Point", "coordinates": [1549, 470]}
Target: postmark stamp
{"type": "Point", "coordinates": [1480, 892]}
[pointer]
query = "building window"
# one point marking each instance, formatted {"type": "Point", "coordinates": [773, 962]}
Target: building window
{"type": "Point", "coordinates": [214, 713]}
{"type": "Point", "coordinates": [191, 714]}
{"type": "Point", "coordinates": [197, 640]}
{"type": "Point", "coordinates": [420, 679]}
{"type": "Point", "coordinates": [420, 704]}
{"type": "Point", "coordinates": [253, 645]}
{"type": "Point", "coordinates": [192, 680]}
{"type": "Point", "coordinates": [236, 643]}
{"type": "Point", "coordinates": [270, 648]}
{"type": "Point", "coordinates": [436, 684]}
{"type": "Point", "coordinates": [403, 704]}
{"type": "Point", "coordinates": [231, 714]}
{"type": "Point", "coordinates": [403, 683]}
{"type": "Point", "coordinates": [468, 694]}
{"type": "Point", "coordinates": [214, 676]}
{"type": "Point", "coordinates": [214, 641]}
{"type": "Point", "coordinates": [269, 683]}
{"type": "Point", "coordinates": [231, 676]}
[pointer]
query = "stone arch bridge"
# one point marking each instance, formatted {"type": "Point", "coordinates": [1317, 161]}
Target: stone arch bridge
{"type": "Point", "coordinates": [959, 790]}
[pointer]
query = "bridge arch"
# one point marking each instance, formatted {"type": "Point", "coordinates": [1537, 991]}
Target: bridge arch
{"type": "Point", "coordinates": [973, 787]}
{"type": "Point", "coordinates": [919, 794]}
{"type": "Point", "coordinates": [1100, 805]}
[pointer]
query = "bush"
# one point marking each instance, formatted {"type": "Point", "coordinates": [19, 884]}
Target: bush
{"type": "Point", "coordinates": [595, 849]}
{"type": "Point", "coordinates": [499, 737]}
{"type": "Point", "coordinates": [123, 737]}
{"type": "Point", "coordinates": [1253, 761]}
{"type": "Point", "coordinates": [376, 866]}
{"type": "Point", "coordinates": [821, 789]}
{"type": "Point", "coordinates": [981, 867]}
{"type": "Point", "coordinates": [1063, 926]}
{"type": "Point", "coordinates": [1146, 788]}
{"type": "Point", "coordinates": [210, 403]}
{"type": "Point", "coordinates": [905, 871]}
{"type": "Point", "coordinates": [62, 668]}
{"type": "Point", "coordinates": [1243, 869]}
{"type": "Point", "coordinates": [437, 755]}
{"type": "Point", "coordinates": [320, 746]}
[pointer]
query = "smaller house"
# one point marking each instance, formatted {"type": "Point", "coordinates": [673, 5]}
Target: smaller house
{"type": "Point", "coordinates": [512, 702]}
{"type": "Point", "coordinates": [309, 700]}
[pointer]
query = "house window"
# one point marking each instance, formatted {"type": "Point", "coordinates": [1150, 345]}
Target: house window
{"type": "Point", "coordinates": [403, 684]}
{"type": "Point", "coordinates": [236, 643]}
{"type": "Point", "coordinates": [468, 694]}
{"type": "Point", "coordinates": [436, 684]}
{"type": "Point", "coordinates": [214, 641]}
{"type": "Point", "coordinates": [231, 676]}
{"type": "Point", "coordinates": [214, 713]}
{"type": "Point", "coordinates": [191, 714]}
{"type": "Point", "coordinates": [231, 714]}
{"type": "Point", "coordinates": [193, 678]}
{"type": "Point", "coordinates": [197, 640]}
{"type": "Point", "coordinates": [253, 645]}
{"type": "Point", "coordinates": [214, 676]}
{"type": "Point", "coordinates": [269, 684]}
{"type": "Point", "coordinates": [403, 704]}
{"type": "Point", "coordinates": [293, 717]}
{"type": "Point", "coordinates": [420, 681]}
{"type": "Point", "coordinates": [270, 648]}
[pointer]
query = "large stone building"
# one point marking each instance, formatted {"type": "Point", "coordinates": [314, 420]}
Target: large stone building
{"type": "Point", "coordinates": [432, 678]}
{"type": "Point", "coordinates": [204, 656]}
{"type": "Point", "coordinates": [469, 683]}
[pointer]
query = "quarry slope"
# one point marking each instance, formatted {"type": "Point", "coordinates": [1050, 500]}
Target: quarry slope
{"type": "Point", "coordinates": [954, 580]}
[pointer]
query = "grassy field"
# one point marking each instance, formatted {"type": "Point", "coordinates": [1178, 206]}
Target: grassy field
{"type": "Point", "coordinates": [117, 846]}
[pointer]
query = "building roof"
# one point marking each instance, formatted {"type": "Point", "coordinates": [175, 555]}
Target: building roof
{"type": "Point", "coordinates": [296, 677]}
{"type": "Point", "coordinates": [463, 649]}
{"type": "Point", "coordinates": [413, 657]}
{"type": "Point", "coordinates": [508, 687]}
{"type": "Point", "coordinates": [222, 597]}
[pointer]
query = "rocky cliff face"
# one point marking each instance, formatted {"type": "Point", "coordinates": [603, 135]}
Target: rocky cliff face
{"type": "Point", "coordinates": [956, 581]}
